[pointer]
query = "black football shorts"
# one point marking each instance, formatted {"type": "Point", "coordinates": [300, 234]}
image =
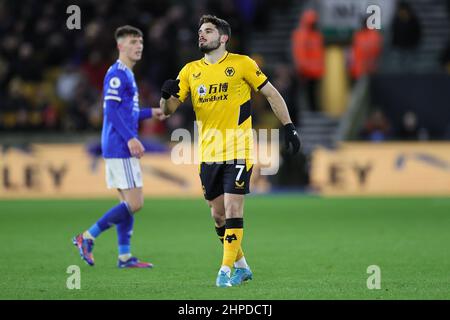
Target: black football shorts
{"type": "Point", "coordinates": [225, 177]}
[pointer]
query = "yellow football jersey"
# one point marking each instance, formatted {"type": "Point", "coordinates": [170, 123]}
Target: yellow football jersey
{"type": "Point", "coordinates": [220, 94]}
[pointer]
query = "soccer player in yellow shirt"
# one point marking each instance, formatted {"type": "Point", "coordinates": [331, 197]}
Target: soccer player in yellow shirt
{"type": "Point", "coordinates": [220, 88]}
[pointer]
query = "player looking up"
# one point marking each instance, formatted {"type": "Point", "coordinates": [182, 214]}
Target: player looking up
{"type": "Point", "coordinates": [220, 86]}
{"type": "Point", "coordinates": [121, 149]}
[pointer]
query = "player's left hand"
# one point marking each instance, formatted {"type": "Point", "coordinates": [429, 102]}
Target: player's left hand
{"type": "Point", "coordinates": [291, 138]}
{"type": "Point", "coordinates": [159, 114]}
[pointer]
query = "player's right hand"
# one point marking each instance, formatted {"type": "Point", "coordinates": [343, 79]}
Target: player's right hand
{"type": "Point", "coordinates": [170, 88]}
{"type": "Point", "coordinates": [136, 148]}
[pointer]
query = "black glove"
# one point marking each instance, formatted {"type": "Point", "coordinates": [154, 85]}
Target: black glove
{"type": "Point", "coordinates": [170, 88]}
{"type": "Point", "coordinates": [291, 137]}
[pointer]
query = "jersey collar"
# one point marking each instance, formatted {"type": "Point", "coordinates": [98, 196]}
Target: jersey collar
{"type": "Point", "coordinates": [121, 62]}
{"type": "Point", "coordinates": [225, 55]}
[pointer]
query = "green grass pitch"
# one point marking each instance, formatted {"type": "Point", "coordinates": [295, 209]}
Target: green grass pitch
{"type": "Point", "coordinates": [298, 247]}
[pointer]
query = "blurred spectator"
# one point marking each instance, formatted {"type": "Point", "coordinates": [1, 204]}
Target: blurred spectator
{"type": "Point", "coordinates": [59, 72]}
{"type": "Point", "coordinates": [27, 66]}
{"type": "Point", "coordinates": [365, 51]}
{"type": "Point", "coordinates": [308, 55]}
{"type": "Point", "coordinates": [410, 129]}
{"type": "Point", "coordinates": [406, 28]}
{"type": "Point", "coordinates": [44, 113]}
{"type": "Point", "coordinates": [95, 69]}
{"type": "Point", "coordinates": [15, 108]}
{"type": "Point", "coordinates": [79, 109]}
{"type": "Point", "coordinates": [376, 128]}
{"type": "Point", "coordinates": [67, 82]}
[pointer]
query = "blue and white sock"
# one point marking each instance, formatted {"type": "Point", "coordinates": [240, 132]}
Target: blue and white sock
{"type": "Point", "coordinates": [124, 233]}
{"type": "Point", "coordinates": [113, 216]}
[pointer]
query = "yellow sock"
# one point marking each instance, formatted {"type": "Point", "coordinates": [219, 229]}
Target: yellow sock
{"type": "Point", "coordinates": [221, 233]}
{"type": "Point", "coordinates": [232, 240]}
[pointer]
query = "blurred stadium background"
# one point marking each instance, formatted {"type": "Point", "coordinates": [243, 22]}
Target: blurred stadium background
{"type": "Point", "coordinates": [373, 113]}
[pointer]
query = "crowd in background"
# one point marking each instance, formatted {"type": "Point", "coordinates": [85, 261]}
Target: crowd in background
{"type": "Point", "coordinates": [51, 77]}
{"type": "Point", "coordinates": [364, 55]}
{"type": "Point", "coordinates": [407, 36]}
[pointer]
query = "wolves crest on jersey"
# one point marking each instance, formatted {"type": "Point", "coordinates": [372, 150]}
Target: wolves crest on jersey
{"type": "Point", "coordinates": [221, 100]}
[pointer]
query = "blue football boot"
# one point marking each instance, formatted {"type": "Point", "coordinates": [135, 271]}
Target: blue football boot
{"type": "Point", "coordinates": [240, 275]}
{"type": "Point", "coordinates": [223, 280]}
{"type": "Point", "coordinates": [134, 262]}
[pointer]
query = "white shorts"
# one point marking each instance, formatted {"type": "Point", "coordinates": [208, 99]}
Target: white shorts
{"type": "Point", "coordinates": [123, 173]}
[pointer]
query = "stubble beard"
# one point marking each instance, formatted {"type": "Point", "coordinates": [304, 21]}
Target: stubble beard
{"type": "Point", "coordinates": [213, 46]}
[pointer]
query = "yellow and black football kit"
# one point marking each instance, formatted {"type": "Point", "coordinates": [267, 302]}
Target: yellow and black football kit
{"type": "Point", "coordinates": [221, 94]}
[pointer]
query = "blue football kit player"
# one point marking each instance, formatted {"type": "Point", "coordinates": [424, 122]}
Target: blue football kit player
{"type": "Point", "coordinates": [121, 150]}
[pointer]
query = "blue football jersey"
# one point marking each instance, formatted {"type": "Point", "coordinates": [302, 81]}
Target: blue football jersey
{"type": "Point", "coordinates": [120, 111]}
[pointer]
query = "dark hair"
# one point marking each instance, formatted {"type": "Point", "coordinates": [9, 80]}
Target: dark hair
{"type": "Point", "coordinates": [127, 31]}
{"type": "Point", "coordinates": [221, 25]}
